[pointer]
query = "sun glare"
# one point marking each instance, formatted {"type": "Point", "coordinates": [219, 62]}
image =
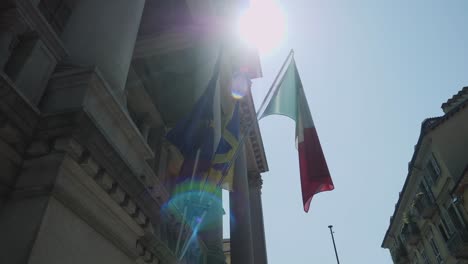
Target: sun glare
{"type": "Point", "coordinates": [263, 25]}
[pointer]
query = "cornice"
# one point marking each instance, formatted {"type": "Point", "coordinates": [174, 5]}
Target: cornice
{"type": "Point", "coordinates": [249, 119]}
{"type": "Point", "coordinates": [94, 193]}
{"type": "Point", "coordinates": [149, 247]}
{"type": "Point", "coordinates": [94, 96]}
{"type": "Point", "coordinates": [16, 106]}
{"type": "Point", "coordinates": [132, 192]}
{"type": "Point", "coordinates": [452, 102]}
{"type": "Point", "coordinates": [255, 180]}
{"type": "Point", "coordinates": [164, 42]}
{"type": "Point", "coordinates": [33, 17]}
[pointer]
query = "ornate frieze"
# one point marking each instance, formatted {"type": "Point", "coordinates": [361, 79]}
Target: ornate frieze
{"type": "Point", "coordinates": [109, 185]}
{"type": "Point", "coordinates": [255, 180]}
{"type": "Point", "coordinates": [152, 249]}
{"type": "Point", "coordinates": [249, 121]}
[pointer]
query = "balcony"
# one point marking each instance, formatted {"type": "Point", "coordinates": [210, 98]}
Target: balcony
{"type": "Point", "coordinates": [411, 233]}
{"type": "Point", "coordinates": [458, 244]}
{"type": "Point", "coordinates": [425, 205]}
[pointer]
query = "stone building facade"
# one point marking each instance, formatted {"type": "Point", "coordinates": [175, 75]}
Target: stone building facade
{"type": "Point", "coordinates": [88, 89]}
{"type": "Point", "coordinates": [227, 250]}
{"type": "Point", "coordinates": [430, 221]}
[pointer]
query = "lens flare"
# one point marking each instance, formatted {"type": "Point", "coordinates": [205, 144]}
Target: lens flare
{"type": "Point", "coordinates": [263, 25]}
{"type": "Point", "coordinates": [197, 200]}
{"type": "Point", "coordinates": [240, 85]}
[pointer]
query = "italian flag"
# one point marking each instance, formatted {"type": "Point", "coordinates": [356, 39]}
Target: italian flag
{"type": "Point", "coordinates": [289, 100]}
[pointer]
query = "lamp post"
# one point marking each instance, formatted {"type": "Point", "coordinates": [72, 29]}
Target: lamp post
{"type": "Point", "coordinates": [334, 245]}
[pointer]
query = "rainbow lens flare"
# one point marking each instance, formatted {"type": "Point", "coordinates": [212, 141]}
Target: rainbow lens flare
{"type": "Point", "coordinates": [240, 85]}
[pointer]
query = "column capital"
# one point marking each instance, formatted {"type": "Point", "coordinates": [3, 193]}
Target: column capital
{"type": "Point", "coordinates": [255, 180]}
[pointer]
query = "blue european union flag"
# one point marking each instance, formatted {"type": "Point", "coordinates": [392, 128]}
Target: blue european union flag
{"type": "Point", "coordinates": [196, 132]}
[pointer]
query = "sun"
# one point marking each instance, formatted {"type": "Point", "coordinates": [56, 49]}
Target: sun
{"type": "Point", "coordinates": [263, 25]}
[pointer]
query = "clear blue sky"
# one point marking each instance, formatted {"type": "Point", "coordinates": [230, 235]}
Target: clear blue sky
{"type": "Point", "coordinates": [372, 72]}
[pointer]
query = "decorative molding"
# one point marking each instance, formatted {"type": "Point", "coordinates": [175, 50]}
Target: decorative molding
{"type": "Point", "coordinates": [94, 96]}
{"type": "Point", "coordinates": [455, 100]}
{"type": "Point", "coordinates": [149, 247]}
{"type": "Point", "coordinates": [109, 185]}
{"type": "Point", "coordinates": [108, 181]}
{"type": "Point", "coordinates": [38, 23]}
{"type": "Point", "coordinates": [163, 43]}
{"type": "Point", "coordinates": [77, 190]}
{"type": "Point", "coordinates": [255, 180]}
{"type": "Point", "coordinates": [249, 118]}
{"type": "Point", "coordinates": [88, 128]}
{"type": "Point", "coordinates": [16, 107]}
{"type": "Point", "coordinates": [114, 176]}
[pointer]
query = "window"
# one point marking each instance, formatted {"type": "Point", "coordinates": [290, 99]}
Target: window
{"type": "Point", "coordinates": [435, 250]}
{"type": "Point", "coordinates": [456, 217]}
{"type": "Point", "coordinates": [426, 190]}
{"type": "Point", "coordinates": [432, 170]}
{"type": "Point", "coordinates": [444, 233]}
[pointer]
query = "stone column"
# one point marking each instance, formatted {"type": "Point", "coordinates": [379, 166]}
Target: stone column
{"type": "Point", "coordinates": [212, 234]}
{"type": "Point", "coordinates": [256, 214]}
{"type": "Point", "coordinates": [103, 33]}
{"type": "Point", "coordinates": [241, 238]}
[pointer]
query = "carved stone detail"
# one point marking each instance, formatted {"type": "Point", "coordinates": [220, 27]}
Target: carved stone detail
{"type": "Point", "coordinates": [255, 180]}
{"type": "Point", "coordinates": [145, 255]}
{"type": "Point", "coordinates": [249, 122]}
{"type": "Point", "coordinates": [108, 184]}
{"type": "Point", "coordinates": [105, 181]}
{"type": "Point", "coordinates": [149, 245]}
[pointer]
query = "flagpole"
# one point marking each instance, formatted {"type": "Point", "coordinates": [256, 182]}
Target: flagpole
{"type": "Point", "coordinates": [291, 53]}
{"type": "Point", "coordinates": [182, 226]}
{"type": "Point", "coordinates": [334, 245]}
{"type": "Point", "coordinates": [192, 236]}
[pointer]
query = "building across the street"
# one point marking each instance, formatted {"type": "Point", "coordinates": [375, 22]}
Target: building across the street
{"type": "Point", "coordinates": [88, 90]}
{"type": "Point", "coordinates": [430, 221]}
{"type": "Point", "coordinates": [227, 250]}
